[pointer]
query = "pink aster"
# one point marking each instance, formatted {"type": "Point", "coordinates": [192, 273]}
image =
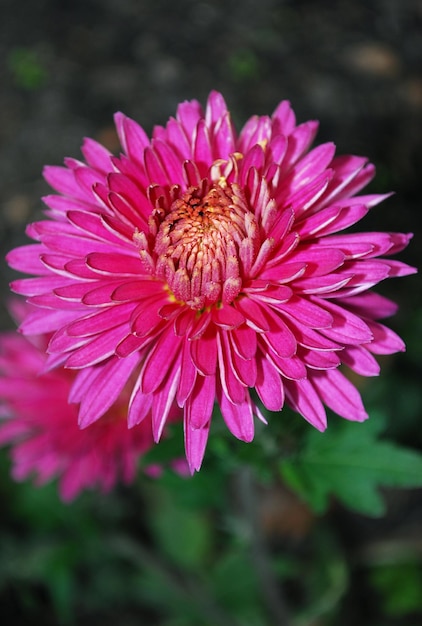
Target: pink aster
{"type": "Point", "coordinates": [205, 263]}
{"type": "Point", "coordinates": [41, 427]}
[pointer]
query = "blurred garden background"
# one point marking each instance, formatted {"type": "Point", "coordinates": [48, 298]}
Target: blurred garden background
{"type": "Point", "coordinates": [251, 540]}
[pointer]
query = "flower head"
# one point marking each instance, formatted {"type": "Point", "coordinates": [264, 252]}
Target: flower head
{"type": "Point", "coordinates": [41, 427]}
{"type": "Point", "coordinates": [203, 263]}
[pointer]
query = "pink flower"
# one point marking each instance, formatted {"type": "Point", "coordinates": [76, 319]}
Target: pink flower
{"type": "Point", "coordinates": [204, 263]}
{"type": "Point", "coordinates": [42, 427]}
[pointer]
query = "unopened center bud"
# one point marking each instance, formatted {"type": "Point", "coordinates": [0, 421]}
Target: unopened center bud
{"type": "Point", "coordinates": [198, 245]}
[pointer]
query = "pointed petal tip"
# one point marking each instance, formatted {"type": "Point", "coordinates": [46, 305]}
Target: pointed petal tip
{"type": "Point", "coordinates": [85, 420]}
{"type": "Point", "coordinates": [45, 170]}
{"type": "Point", "coordinates": [132, 422]}
{"type": "Point", "coordinates": [194, 467]}
{"type": "Point", "coordinates": [360, 416]}
{"type": "Point", "coordinates": [320, 426]}
{"type": "Point", "coordinates": [119, 117]}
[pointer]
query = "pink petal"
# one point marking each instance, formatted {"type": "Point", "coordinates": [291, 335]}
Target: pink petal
{"type": "Point", "coordinates": [370, 304]}
{"type": "Point", "coordinates": [195, 444]}
{"type": "Point", "coordinates": [318, 261]}
{"type": "Point", "coordinates": [163, 400]}
{"type": "Point", "coordinates": [398, 268]}
{"type": "Point", "coordinates": [292, 367]}
{"type": "Point", "coordinates": [82, 383]}
{"type": "Point", "coordinates": [202, 147]}
{"type": "Point", "coordinates": [177, 138]}
{"type": "Point", "coordinates": [339, 394]}
{"type": "Point", "coordinates": [170, 162]}
{"type": "Point", "coordinates": [105, 389]}
{"type": "Point", "coordinates": [244, 369]}
{"type": "Point", "coordinates": [100, 321]}
{"type": "Point", "coordinates": [331, 219]}
{"type": "Point", "coordinates": [238, 417]}
{"type": "Point", "coordinates": [63, 181]}
{"type": "Point", "coordinates": [280, 338]}
{"type": "Point", "coordinates": [131, 192]}
{"type": "Point", "coordinates": [322, 284]}
{"type": "Point", "coordinates": [223, 137]}
{"type": "Point", "coordinates": [215, 109]}
{"type": "Point", "coordinates": [59, 205]}
{"type": "Point", "coordinates": [159, 360]}
{"type": "Point", "coordinates": [284, 119]}
{"type": "Point", "coordinates": [346, 327]}
{"type": "Point", "coordinates": [385, 340]}
{"type": "Point", "coordinates": [204, 353]}
{"type": "Point", "coordinates": [27, 259]}
{"type": "Point", "coordinates": [253, 158]}
{"type": "Point", "coordinates": [188, 114]}
{"type": "Point", "coordinates": [61, 342]}
{"type": "Point", "coordinates": [139, 406]}
{"type": "Point", "coordinates": [74, 245]}
{"type": "Point", "coordinates": [98, 349]}
{"type": "Point", "coordinates": [131, 344]}
{"type": "Point", "coordinates": [187, 375]}
{"type": "Point", "coordinates": [303, 199]}
{"type": "Point", "coordinates": [96, 155]}
{"type": "Point", "coordinates": [308, 168]}
{"type": "Point", "coordinates": [133, 290]}
{"type": "Point", "coordinates": [92, 225]}
{"type": "Point", "coordinates": [253, 313]}
{"type": "Point", "coordinates": [362, 178]}
{"type": "Point", "coordinates": [37, 286]}
{"type": "Point", "coordinates": [114, 263]}
{"type": "Point", "coordinates": [74, 291]}
{"type": "Point", "coordinates": [244, 341]}
{"type": "Point", "coordinates": [132, 137]}
{"type": "Point", "coordinates": [155, 170]}
{"type": "Point", "coordinates": [87, 178]}
{"type": "Point", "coordinates": [40, 321]}
{"type": "Point", "coordinates": [303, 398]}
{"type": "Point", "coordinates": [232, 387]}
{"type": "Point", "coordinates": [268, 385]}
{"type": "Point", "coordinates": [300, 139]}
{"type": "Point", "coordinates": [131, 216]}
{"type": "Point", "coordinates": [200, 404]}
{"type": "Point", "coordinates": [308, 312]}
{"type": "Point", "coordinates": [321, 360]}
{"type": "Point", "coordinates": [276, 150]}
{"type": "Point", "coordinates": [360, 360]}
{"type": "Point", "coordinates": [227, 317]}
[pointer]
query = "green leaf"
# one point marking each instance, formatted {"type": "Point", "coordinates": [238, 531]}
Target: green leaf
{"type": "Point", "coordinates": [236, 586]}
{"type": "Point", "coordinates": [399, 585]}
{"type": "Point", "coordinates": [184, 535]}
{"type": "Point", "coordinates": [351, 463]}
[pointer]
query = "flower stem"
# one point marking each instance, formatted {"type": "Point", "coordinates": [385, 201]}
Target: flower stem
{"type": "Point", "coordinates": [270, 588]}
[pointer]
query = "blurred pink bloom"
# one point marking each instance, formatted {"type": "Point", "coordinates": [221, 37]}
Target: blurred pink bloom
{"type": "Point", "coordinates": [41, 427]}
{"type": "Point", "coordinates": [203, 263]}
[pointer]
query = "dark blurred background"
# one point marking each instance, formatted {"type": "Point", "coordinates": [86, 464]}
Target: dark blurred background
{"type": "Point", "coordinates": [67, 66]}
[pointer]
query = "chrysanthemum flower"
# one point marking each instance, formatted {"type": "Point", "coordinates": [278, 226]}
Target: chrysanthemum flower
{"type": "Point", "coordinates": [41, 427]}
{"type": "Point", "coordinates": [207, 263]}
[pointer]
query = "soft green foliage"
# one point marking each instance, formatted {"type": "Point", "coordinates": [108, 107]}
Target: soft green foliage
{"type": "Point", "coordinates": [243, 65]}
{"type": "Point", "coordinates": [399, 586]}
{"type": "Point", "coordinates": [27, 68]}
{"type": "Point", "coordinates": [183, 533]}
{"type": "Point", "coordinates": [351, 462]}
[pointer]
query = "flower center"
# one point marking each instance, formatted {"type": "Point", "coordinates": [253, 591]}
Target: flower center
{"type": "Point", "coordinates": [198, 244]}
